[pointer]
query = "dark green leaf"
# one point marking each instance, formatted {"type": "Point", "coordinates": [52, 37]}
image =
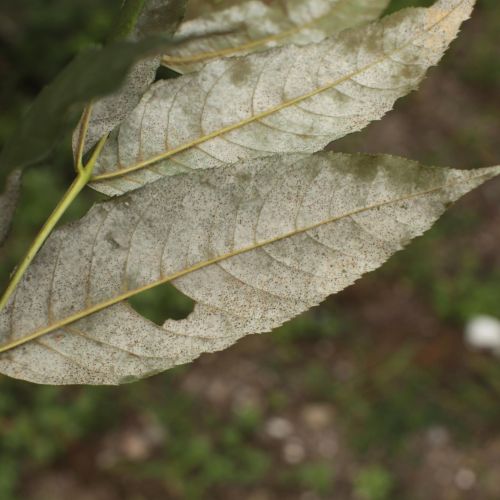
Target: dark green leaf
{"type": "Point", "coordinates": [8, 202]}
{"type": "Point", "coordinates": [93, 73]}
{"type": "Point", "coordinates": [157, 17]}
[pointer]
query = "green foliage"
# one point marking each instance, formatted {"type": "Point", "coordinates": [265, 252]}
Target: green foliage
{"type": "Point", "coordinates": [162, 303]}
{"type": "Point", "coordinates": [396, 5]}
{"type": "Point", "coordinates": [36, 427]}
{"type": "Point", "coordinates": [373, 483]}
{"type": "Point", "coordinates": [312, 325]}
{"type": "Point", "coordinates": [28, 66]}
{"type": "Point", "coordinates": [130, 12]}
{"type": "Point", "coordinates": [92, 74]}
{"type": "Point", "coordinates": [457, 284]}
{"type": "Point", "coordinates": [202, 451]}
{"type": "Point", "coordinates": [315, 476]}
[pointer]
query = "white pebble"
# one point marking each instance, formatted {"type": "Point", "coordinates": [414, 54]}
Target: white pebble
{"type": "Point", "coordinates": [278, 428]}
{"type": "Point", "coordinates": [483, 332]}
{"type": "Point", "coordinates": [293, 452]}
{"type": "Point", "coordinates": [465, 479]}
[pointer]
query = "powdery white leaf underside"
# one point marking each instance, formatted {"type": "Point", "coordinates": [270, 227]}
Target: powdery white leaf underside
{"type": "Point", "coordinates": [254, 245]}
{"type": "Point", "coordinates": [287, 100]}
{"type": "Point", "coordinates": [258, 25]}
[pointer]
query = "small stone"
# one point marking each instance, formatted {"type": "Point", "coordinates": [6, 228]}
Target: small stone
{"type": "Point", "coordinates": [465, 479]}
{"type": "Point", "coordinates": [328, 447]}
{"type": "Point", "coordinates": [438, 436]}
{"type": "Point", "coordinates": [317, 416]}
{"type": "Point", "coordinates": [483, 332]}
{"type": "Point", "coordinates": [278, 428]}
{"type": "Point", "coordinates": [135, 447]}
{"type": "Point", "coordinates": [293, 452]}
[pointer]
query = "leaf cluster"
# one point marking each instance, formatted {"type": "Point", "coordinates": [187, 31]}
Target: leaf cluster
{"type": "Point", "coordinates": [217, 178]}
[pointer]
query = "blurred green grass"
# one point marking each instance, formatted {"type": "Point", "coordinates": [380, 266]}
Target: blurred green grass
{"type": "Point", "coordinates": [381, 382]}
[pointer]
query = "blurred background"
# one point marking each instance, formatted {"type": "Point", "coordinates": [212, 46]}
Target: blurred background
{"type": "Point", "coordinates": [375, 395]}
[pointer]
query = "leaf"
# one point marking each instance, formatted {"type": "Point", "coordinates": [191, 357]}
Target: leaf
{"type": "Point", "coordinates": [91, 74]}
{"type": "Point", "coordinates": [287, 100]}
{"type": "Point", "coordinates": [159, 17]}
{"type": "Point", "coordinates": [8, 203]}
{"type": "Point", "coordinates": [258, 25]}
{"type": "Point", "coordinates": [254, 245]}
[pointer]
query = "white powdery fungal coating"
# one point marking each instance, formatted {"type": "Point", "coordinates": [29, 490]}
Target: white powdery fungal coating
{"type": "Point", "coordinates": [286, 100]}
{"type": "Point", "coordinates": [258, 25]}
{"type": "Point", "coordinates": [254, 245]}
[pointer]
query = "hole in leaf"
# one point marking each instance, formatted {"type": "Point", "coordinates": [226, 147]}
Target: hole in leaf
{"type": "Point", "coordinates": [162, 303]}
{"type": "Point", "coordinates": [164, 73]}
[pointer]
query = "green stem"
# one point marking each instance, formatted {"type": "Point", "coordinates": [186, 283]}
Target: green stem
{"type": "Point", "coordinates": [74, 190]}
{"type": "Point", "coordinates": [129, 14]}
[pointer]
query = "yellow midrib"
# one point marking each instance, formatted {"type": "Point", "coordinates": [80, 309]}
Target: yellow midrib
{"type": "Point", "coordinates": [167, 154]}
{"type": "Point", "coordinates": [131, 293]}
